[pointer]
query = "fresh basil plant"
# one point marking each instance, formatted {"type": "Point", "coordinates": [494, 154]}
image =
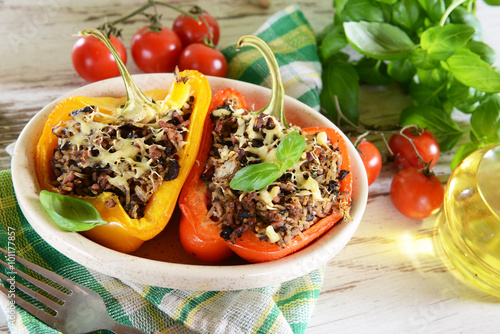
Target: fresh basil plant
{"type": "Point", "coordinates": [432, 48]}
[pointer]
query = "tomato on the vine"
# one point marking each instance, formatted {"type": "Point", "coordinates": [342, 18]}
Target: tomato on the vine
{"type": "Point", "coordinates": [156, 51]}
{"type": "Point", "coordinates": [416, 193]}
{"type": "Point", "coordinates": [204, 59]}
{"type": "Point", "coordinates": [372, 160]}
{"type": "Point", "coordinates": [191, 31]}
{"type": "Point", "coordinates": [93, 61]}
{"type": "Point", "coordinates": [404, 154]}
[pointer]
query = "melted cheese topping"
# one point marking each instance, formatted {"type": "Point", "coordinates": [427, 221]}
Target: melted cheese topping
{"type": "Point", "coordinates": [126, 157]}
{"type": "Point", "coordinates": [267, 152]}
{"type": "Point", "coordinates": [272, 235]}
{"type": "Point", "coordinates": [302, 195]}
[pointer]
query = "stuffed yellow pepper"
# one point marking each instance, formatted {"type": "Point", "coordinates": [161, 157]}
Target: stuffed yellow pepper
{"type": "Point", "coordinates": [128, 157]}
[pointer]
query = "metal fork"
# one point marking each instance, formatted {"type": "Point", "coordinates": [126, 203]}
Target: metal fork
{"type": "Point", "coordinates": [78, 311]}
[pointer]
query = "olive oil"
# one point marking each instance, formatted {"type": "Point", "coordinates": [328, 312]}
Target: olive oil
{"type": "Point", "coordinates": [470, 230]}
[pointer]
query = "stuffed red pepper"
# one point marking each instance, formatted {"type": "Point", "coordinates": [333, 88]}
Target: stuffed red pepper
{"type": "Point", "coordinates": [262, 189]}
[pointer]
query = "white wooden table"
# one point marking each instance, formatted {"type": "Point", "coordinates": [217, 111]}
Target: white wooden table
{"type": "Point", "coordinates": [388, 279]}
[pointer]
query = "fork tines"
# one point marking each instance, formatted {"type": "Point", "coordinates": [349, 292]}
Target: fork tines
{"type": "Point", "coordinates": [41, 293]}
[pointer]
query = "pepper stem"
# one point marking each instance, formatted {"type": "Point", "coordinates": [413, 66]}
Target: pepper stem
{"type": "Point", "coordinates": [276, 105]}
{"type": "Point", "coordinates": [138, 107]}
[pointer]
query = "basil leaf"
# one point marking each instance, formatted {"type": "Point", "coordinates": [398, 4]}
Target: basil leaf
{"type": "Point", "coordinates": [290, 150]}
{"type": "Point", "coordinates": [485, 121]}
{"type": "Point", "coordinates": [341, 80]}
{"type": "Point", "coordinates": [401, 70]}
{"type": "Point", "coordinates": [492, 2]}
{"type": "Point", "coordinates": [434, 78]}
{"type": "Point", "coordinates": [388, 2]}
{"type": "Point", "coordinates": [437, 121]}
{"type": "Point", "coordinates": [364, 10]}
{"type": "Point", "coordinates": [442, 42]}
{"type": "Point", "coordinates": [421, 59]}
{"type": "Point", "coordinates": [483, 50]}
{"type": "Point", "coordinates": [70, 213]}
{"type": "Point", "coordinates": [339, 6]}
{"type": "Point", "coordinates": [434, 9]}
{"type": "Point", "coordinates": [471, 70]}
{"type": "Point", "coordinates": [463, 16]}
{"type": "Point", "coordinates": [381, 41]}
{"type": "Point", "coordinates": [332, 43]}
{"type": "Point", "coordinates": [423, 95]}
{"type": "Point", "coordinates": [373, 71]}
{"type": "Point", "coordinates": [464, 98]}
{"type": "Point", "coordinates": [255, 177]}
{"type": "Point", "coordinates": [408, 14]}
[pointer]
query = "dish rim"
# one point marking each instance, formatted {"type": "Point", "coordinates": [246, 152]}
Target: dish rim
{"type": "Point", "coordinates": [167, 274]}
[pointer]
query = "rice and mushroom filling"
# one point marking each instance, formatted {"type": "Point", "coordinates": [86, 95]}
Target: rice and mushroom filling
{"type": "Point", "coordinates": [98, 152]}
{"type": "Point", "coordinates": [304, 194]}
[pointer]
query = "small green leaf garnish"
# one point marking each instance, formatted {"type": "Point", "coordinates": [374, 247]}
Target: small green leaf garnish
{"type": "Point", "coordinates": [255, 177]}
{"type": "Point", "coordinates": [70, 213]}
{"type": "Point", "coordinates": [258, 176]}
{"type": "Point", "coordinates": [290, 149]}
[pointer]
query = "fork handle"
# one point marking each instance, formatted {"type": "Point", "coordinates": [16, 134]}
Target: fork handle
{"type": "Point", "coordinates": [120, 328]}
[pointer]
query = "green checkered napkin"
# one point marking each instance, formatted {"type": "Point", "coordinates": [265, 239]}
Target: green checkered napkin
{"type": "Point", "coordinates": [293, 42]}
{"type": "Point", "coordinates": [283, 308]}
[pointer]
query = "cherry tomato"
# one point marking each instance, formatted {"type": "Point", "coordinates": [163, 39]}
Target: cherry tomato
{"type": "Point", "coordinates": [404, 154]}
{"type": "Point", "coordinates": [93, 61]}
{"type": "Point", "coordinates": [156, 51]}
{"type": "Point", "coordinates": [204, 59]}
{"type": "Point", "coordinates": [370, 155]}
{"type": "Point", "coordinates": [415, 194]}
{"type": "Point", "coordinates": [191, 31]}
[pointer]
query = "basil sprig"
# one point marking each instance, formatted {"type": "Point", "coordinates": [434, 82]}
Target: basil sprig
{"type": "Point", "coordinates": [258, 176]}
{"type": "Point", "coordinates": [432, 49]}
{"type": "Point", "coordinates": [70, 213]}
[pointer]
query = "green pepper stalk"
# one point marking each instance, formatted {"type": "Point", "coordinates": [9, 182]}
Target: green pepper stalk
{"type": "Point", "coordinates": [138, 107]}
{"type": "Point", "coordinates": [288, 152]}
{"type": "Point", "coordinates": [276, 105]}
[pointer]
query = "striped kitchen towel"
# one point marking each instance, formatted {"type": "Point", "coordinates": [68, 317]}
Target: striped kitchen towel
{"type": "Point", "coordinates": [292, 40]}
{"type": "Point", "coordinates": [282, 308]}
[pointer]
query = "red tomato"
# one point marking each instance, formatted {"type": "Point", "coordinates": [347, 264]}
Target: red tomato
{"type": "Point", "coordinates": [415, 194]}
{"type": "Point", "coordinates": [156, 51]}
{"type": "Point", "coordinates": [93, 61]}
{"type": "Point", "coordinates": [191, 31]}
{"type": "Point", "coordinates": [204, 59]}
{"type": "Point", "coordinates": [370, 155]}
{"type": "Point", "coordinates": [404, 154]}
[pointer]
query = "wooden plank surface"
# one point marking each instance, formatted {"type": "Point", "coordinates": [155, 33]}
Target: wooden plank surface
{"type": "Point", "coordinates": [388, 279]}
